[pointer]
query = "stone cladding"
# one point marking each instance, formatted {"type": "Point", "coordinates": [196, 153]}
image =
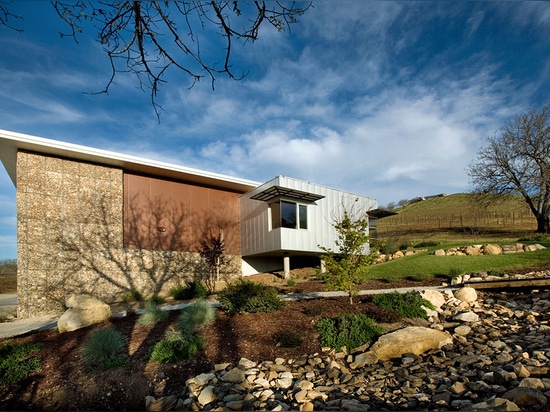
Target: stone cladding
{"type": "Point", "coordinates": [70, 238]}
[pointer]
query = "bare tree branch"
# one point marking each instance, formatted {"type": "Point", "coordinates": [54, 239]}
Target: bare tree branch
{"type": "Point", "coordinates": [148, 38]}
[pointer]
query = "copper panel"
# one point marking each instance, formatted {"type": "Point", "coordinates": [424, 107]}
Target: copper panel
{"type": "Point", "coordinates": [166, 215]}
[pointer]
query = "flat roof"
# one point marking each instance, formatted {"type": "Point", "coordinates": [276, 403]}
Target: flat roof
{"type": "Point", "coordinates": [12, 142]}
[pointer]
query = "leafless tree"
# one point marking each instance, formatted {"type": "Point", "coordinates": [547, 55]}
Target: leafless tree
{"type": "Point", "coordinates": [517, 160]}
{"type": "Point", "coordinates": [146, 38]}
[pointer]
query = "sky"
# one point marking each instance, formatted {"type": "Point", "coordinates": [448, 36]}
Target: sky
{"type": "Point", "coordinates": [390, 100]}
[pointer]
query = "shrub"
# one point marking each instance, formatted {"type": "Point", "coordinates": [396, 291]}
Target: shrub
{"type": "Point", "coordinates": [288, 339]}
{"type": "Point", "coordinates": [382, 315]}
{"type": "Point", "coordinates": [408, 304]}
{"type": "Point", "coordinates": [132, 296]}
{"type": "Point", "coordinates": [104, 349]}
{"type": "Point", "coordinates": [291, 282]}
{"type": "Point", "coordinates": [194, 317]}
{"type": "Point", "coordinates": [153, 314]}
{"type": "Point", "coordinates": [348, 330]}
{"type": "Point", "coordinates": [156, 299]}
{"type": "Point", "coordinates": [177, 346]}
{"type": "Point", "coordinates": [15, 363]}
{"type": "Point", "coordinates": [193, 290]}
{"type": "Point", "coordinates": [245, 296]}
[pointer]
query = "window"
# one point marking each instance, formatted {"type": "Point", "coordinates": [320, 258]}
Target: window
{"type": "Point", "coordinates": [288, 214]}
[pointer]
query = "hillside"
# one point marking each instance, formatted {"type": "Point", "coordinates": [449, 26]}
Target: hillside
{"type": "Point", "coordinates": [460, 215]}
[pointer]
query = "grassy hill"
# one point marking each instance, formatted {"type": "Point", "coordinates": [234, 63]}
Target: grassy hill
{"type": "Point", "coordinates": [459, 216]}
{"type": "Point", "coordinates": [456, 220]}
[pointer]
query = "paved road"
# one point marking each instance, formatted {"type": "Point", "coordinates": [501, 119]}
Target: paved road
{"type": "Point", "coordinates": [8, 299]}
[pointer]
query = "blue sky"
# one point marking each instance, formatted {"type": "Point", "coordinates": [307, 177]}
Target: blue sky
{"type": "Point", "coordinates": [390, 100]}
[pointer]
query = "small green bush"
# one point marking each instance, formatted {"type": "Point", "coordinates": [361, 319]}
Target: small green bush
{"type": "Point", "coordinates": [382, 315]}
{"type": "Point", "coordinates": [288, 339]}
{"type": "Point", "coordinates": [153, 314]}
{"type": "Point", "coordinates": [348, 330]}
{"type": "Point", "coordinates": [193, 290]}
{"type": "Point", "coordinates": [291, 282]}
{"type": "Point", "coordinates": [156, 299]}
{"type": "Point", "coordinates": [245, 296]}
{"type": "Point", "coordinates": [15, 363]}
{"type": "Point", "coordinates": [408, 304]}
{"type": "Point", "coordinates": [177, 346]}
{"type": "Point", "coordinates": [132, 296]}
{"type": "Point", "coordinates": [104, 349]}
{"type": "Point", "coordinates": [194, 317]}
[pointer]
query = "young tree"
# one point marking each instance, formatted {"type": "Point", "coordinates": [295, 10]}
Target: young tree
{"type": "Point", "coordinates": [517, 160]}
{"type": "Point", "coordinates": [147, 38]}
{"type": "Point", "coordinates": [346, 266]}
{"type": "Point", "coordinates": [212, 251]}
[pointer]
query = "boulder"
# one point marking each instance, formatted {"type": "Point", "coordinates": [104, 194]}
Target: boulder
{"type": "Point", "coordinates": [491, 249]}
{"type": "Point", "coordinates": [83, 310]}
{"type": "Point", "coordinates": [467, 294]}
{"type": "Point", "coordinates": [435, 297]}
{"type": "Point", "coordinates": [413, 339]}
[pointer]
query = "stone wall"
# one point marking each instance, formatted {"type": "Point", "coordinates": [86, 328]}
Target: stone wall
{"type": "Point", "coordinates": [70, 238]}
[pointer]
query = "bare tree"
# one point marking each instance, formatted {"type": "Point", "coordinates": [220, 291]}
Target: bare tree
{"type": "Point", "coordinates": [146, 38]}
{"type": "Point", "coordinates": [517, 160]}
{"type": "Point", "coordinates": [212, 251]}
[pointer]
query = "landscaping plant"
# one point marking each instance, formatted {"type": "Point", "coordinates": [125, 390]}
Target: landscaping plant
{"type": "Point", "coordinates": [196, 316]}
{"type": "Point", "coordinates": [409, 304]}
{"type": "Point", "coordinates": [245, 296]}
{"type": "Point", "coordinates": [345, 267]}
{"type": "Point", "coordinates": [177, 346]}
{"type": "Point", "coordinates": [193, 290]}
{"type": "Point", "coordinates": [348, 330]}
{"type": "Point", "coordinates": [153, 313]}
{"type": "Point", "coordinates": [105, 349]}
{"type": "Point", "coordinates": [15, 362]}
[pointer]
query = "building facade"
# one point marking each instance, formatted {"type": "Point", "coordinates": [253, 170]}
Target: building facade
{"type": "Point", "coordinates": [103, 223]}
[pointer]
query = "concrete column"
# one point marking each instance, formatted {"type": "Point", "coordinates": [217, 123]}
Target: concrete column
{"type": "Point", "coordinates": [286, 265]}
{"type": "Point", "coordinates": [323, 268]}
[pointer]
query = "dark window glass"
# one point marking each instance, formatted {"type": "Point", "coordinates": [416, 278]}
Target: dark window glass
{"type": "Point", "coordinates": [303, 216]}
{"type": "Point", "coordinates": [288, 214]}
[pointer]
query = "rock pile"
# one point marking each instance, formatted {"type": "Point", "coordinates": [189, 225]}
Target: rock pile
{"type": "Point", "coordinates": [488, 249]}
{"type": "Point", "coordinates": [493, 354]}
{"type": "Point", "coordinates": [487, 277]}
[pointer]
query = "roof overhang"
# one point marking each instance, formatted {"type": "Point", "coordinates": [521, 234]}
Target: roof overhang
{"type": "Point", "coordinates": [380, 213]}
{"type": "Point", "coordinates": [273, 192]}
{"type": "Point", "coordinates": [11, 143]}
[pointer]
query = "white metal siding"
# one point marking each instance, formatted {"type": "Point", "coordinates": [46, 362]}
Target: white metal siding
{"type": "Point", "coordinates": [256, 238]}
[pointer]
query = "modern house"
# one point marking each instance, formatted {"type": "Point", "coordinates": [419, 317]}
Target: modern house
{"type": "Point", "coordinates": [99, 222]}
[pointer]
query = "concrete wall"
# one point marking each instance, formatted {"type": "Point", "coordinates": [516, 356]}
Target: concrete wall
{"type": "Point", "coordinates": [71, 236]}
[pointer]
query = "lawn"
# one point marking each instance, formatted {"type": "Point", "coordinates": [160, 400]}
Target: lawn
{"type": "Point", "coordinates": [425, 265]}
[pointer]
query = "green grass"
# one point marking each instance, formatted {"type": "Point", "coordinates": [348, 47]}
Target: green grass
{"type": "Point", "coordinates": [425, 266]}
{"type": "Point", "coordinates": [16, 362]}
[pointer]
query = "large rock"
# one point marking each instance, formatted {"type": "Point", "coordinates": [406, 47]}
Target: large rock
{"type": "Point", "coordinates": [466, 294]}
{"type": "Point", "coordinates": [83, 310]}
{"type": "Point", "coordinates": [414, 339]}
{"type": "Point", "coordinates": [435, 297]}
{"type": "Point", "coordinates": [491, 249]}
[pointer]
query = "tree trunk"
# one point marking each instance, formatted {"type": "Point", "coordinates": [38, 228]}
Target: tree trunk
{"type": "Point", "coordinates": [543, 223]}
